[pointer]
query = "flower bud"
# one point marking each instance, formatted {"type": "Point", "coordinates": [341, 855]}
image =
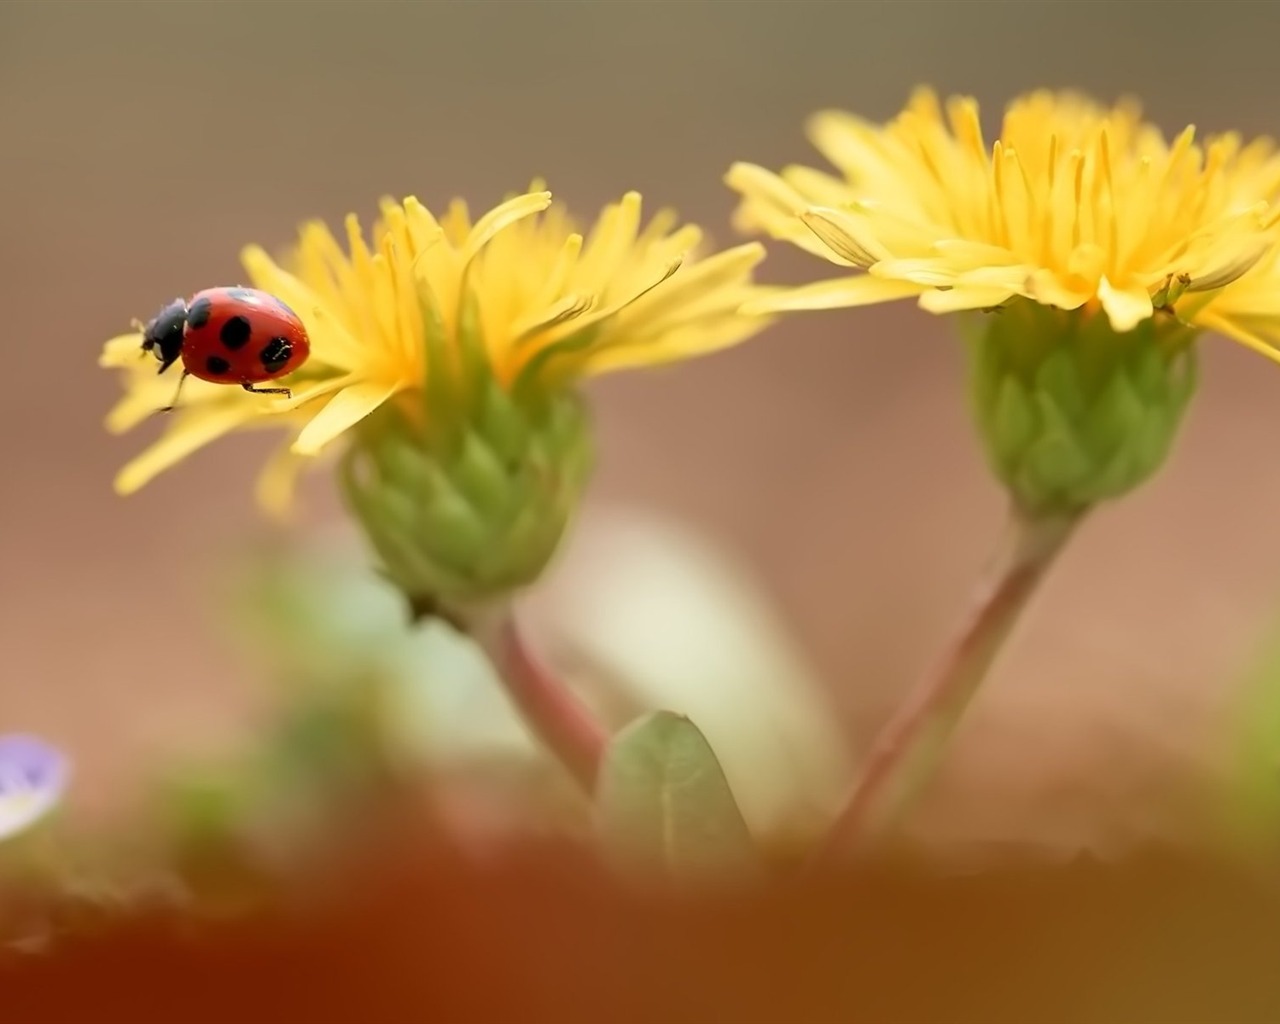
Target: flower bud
{"type": "Point", "coordinates": [1072, 412]}
{"type": "Point", "coordinates": [465, 510]}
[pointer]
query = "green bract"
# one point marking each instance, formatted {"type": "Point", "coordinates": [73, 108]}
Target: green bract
{"type": "Point", "coordinates": [468, 508]}
{"type": "Point", "coordinates": [1072, 412]}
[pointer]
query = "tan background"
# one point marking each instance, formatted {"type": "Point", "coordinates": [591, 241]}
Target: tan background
{"type": "Point", "coordinates": [142, 143]}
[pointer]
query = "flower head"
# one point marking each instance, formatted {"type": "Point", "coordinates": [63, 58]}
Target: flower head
{"type": "Point", "coordinates": [1104, 247]}
{"type": "Point", "coordinates": [33, 778]}
{"type": "Point", "coordinates": [1074, 206]}
{"type": "Point", "coordinates": [428, 307]}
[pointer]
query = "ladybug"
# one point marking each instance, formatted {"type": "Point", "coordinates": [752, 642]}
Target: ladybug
{"type": "Point", "coordinates": [228, 336]}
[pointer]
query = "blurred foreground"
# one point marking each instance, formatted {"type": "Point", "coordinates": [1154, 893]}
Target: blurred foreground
{"type": "Point", "coordinates": [412, 931]}
{"type": "Point", "coordinates": [391, 845]}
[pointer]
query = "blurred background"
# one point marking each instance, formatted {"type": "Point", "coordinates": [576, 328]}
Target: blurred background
{"type": "Point", "coordinates": [142, 144]}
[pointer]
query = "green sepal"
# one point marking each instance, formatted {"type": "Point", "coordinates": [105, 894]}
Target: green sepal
{"type": "Point", "coordinates": [466, 508]}
{"type": "Point", "coordinates": [1071, 412]}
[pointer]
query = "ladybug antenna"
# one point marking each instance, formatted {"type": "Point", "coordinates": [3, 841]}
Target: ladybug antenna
{"type": "Point", "coordinates": [173, 405]}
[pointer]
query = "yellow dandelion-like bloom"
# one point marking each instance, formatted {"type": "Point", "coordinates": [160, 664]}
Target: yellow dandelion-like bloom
{"type": "Point", "coordinates": [520, 290]}
{"type": "Point", "coordinates": [1100, 247]}
{"type": "Point", "coordinates": [444, 354]}
{"type": "Point", "coordinates": [1087, 252]}
{"type": "Point", "coordinates": [1074, 206]}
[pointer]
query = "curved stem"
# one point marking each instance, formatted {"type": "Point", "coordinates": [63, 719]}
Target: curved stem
{"type": "Point", "coordinates": [909, 747]}
{"type": "Point", "coordinates": [552, 711]}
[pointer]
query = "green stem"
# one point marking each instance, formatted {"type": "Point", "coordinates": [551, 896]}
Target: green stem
{"type": "Point", "coordinates": [909, 748]}
{"type": "Point", "coordinates": [553, 712]}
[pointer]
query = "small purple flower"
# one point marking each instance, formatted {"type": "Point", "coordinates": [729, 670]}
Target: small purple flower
{"type": "Point", "coordinates": [33, 778]}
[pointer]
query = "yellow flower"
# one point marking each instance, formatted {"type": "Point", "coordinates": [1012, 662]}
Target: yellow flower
{"type": "Point", "coordinates": [1074, 206]}
{"type": "Point", "coordinates": [520, 290]}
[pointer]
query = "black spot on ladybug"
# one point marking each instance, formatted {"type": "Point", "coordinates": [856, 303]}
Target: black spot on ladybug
{"type": "Point", "coordinates": [275, 354]}
{"type": "Point", "coordinates": [198, 314]}
{"type": "Point", "coordinates": [217, 365]}
{"type": "Point", "coordinates": [235, 333]}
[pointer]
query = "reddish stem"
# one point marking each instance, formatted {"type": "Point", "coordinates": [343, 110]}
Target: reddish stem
{"type": "Point", "coordinates": [552, 711]}
{"type": "Point", "coordinates": [909, 747]}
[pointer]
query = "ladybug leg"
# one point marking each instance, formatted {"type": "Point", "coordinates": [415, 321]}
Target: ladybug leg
{"type": "Point", "coordinates": [181, 380]}
{"type": "Point", "coordinates": [268, 391]}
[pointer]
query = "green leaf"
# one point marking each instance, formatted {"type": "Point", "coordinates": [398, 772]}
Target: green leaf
{"type": "Point", "coordinates": [664, 805]}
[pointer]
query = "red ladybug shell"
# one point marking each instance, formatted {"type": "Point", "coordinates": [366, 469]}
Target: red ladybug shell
{"type": "Point", "coordinates": [242, 336]}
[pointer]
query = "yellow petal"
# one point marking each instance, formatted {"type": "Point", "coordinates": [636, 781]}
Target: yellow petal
{"type": "Point", "coordinates": [659, 227]}
{"type": "Point", "coordinates": [531, 325]}
{"type": "Point", "coordinates": [847, 141]}
{"type": "Point", "coordinates": [437, 267]}
{"type": "Point", "coordinates": [561, 271]}
{"type": "Point", "coordinates": [1050, 289]}
{"type": "Point", "coordinates": [137, 404]}
{"type": "Point", "coordinates": [708, 277]}
{"type": "Point", "coordinates": [320, 263]}
{"type": "Point", "coordinates": [693, 339]}
{"type": "Point", "coordinates": [1126, 307]}
{"type": "Point", "coordinates": [501, 217]}
{"type": "Point", "coordinates": [457, 222]}
{"type": "Point", "coordinates": [930, 273]}
{"type": "Point", "coordinates": [424, 230]}
{"type": "Point", "coordinates": [152, 392]}
{"type": "Point", "coordinates": [755, 182]}
{"type": "Point", "coordinates": [1232, 267]}
{"type": "Point", "coordinates": [124, 351]}
{"type": "Point", "coordinates": [964, 297]}
{"type": "Point", "coordinates": [312, 390]}
{"type": "Point", "coordinates": [191, 431]}
{"type": "Point", "coordinates": [968, 255]}
{"type": "Point", "coordinates": [817, 187]}
{"type": "Point", "coordinates": [772, 206]}
{"type": "Point", "coordinates": [278, 480]}
{"type": "Point", "coordinates": [654, 276]}
{"type": "Point", "coordinates": [845, 236]}
{"type": "Point", "coordinates": [1236, 331]}
{"type": "Point", "coordinates": [837, 293]}
{"type": "Point", "coordinates": [610, 243]}
{"type": "Point", "coordinates": [347, 408]}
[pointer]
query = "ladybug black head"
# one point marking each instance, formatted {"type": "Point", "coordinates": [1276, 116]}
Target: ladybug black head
{"type": "Point", "coordinates": [163, 335]}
